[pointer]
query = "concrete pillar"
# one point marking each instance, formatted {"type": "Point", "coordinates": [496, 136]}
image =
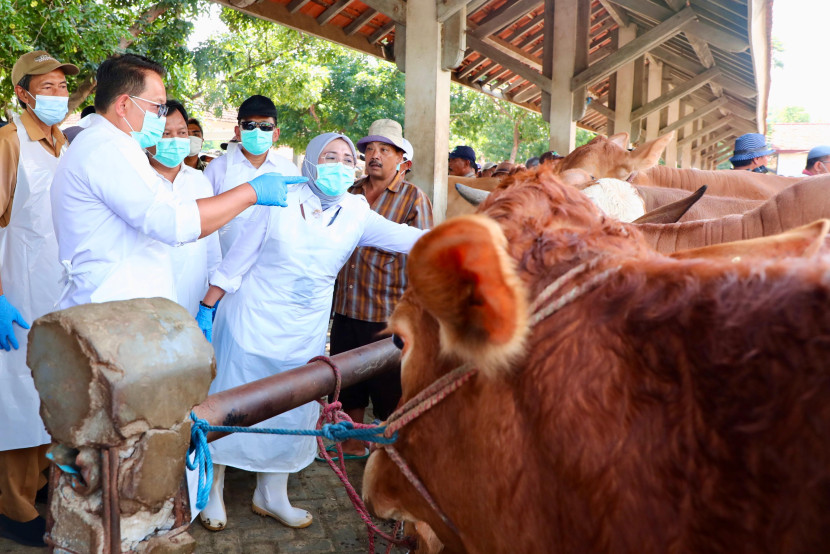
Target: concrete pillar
{"type": "Point", "coordinates": [671, 148]}
{"type": "Point", "coordinates": [562, 125]}
{"type": "Point", "coordinates": [427, 110]}
{"type": "Point", "coordinates": [686, 150]}
{"type": "Point", "coordinates": [625, 84]}
{"type": "Point", "coordinates": [116, 383]}
{"type": "Point", "coordinates": [655, 89]}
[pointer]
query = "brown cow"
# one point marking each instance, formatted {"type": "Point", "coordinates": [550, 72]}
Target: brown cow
{"type": "Point", "coordinates": [667, 406]}
{"type": "Point", "coordinates": [608, 157]}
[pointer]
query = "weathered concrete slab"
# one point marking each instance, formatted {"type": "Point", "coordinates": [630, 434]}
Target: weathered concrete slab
{"type": "Point", "coordinates": [117, 369]}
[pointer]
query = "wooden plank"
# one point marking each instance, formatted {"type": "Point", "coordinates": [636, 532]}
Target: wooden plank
{"type": "Point", "coordinates": [295, 5]}
{"type": "Point", "coordinates": [697, 114]}
{"type": "Point", "coordinates": [506, 15]}
{"type": "Point", "coordinates": [514, 52]}
{"type": "Point", "coordinates": [279, 13]}
{"type": "Point", "coordinates": [504, 60]}
{"type": "Point", "coordinates": [447, 8]}
{"type": "Point", "coordinates": [705, 131]}
{"type": "Point", "coordinates": [690, 66]}
{"type": "Point", "coordinates": [634, 49]}
{"type": "Point", "coordinates": [525, 27]}
{"type": "Point", "coordinates": [360, 22]}
{"type": "Point", "coordinates": [676, 93]}
{"type": "Point", "coordinates": [602, 110]}
{"type": "Point", "coordinates": [393, 9]}
{"type": "Point", "coordinates": [709, 33]}
{"type": "Point", "coordinates": [619, 15]}
{"type": "Point", "coordinates": [382, 32]}
{"type": "Point", "coordinates": [333, 11]}
{"type": "Point", "coordinates": [718, 138]}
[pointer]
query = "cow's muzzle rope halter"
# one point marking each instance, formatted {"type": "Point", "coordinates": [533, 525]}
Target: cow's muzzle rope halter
{"type": "Point", "coordinates": [441, 388]}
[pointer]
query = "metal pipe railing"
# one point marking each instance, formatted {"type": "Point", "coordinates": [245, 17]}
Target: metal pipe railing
{"type": "Point", "coordinates": [257, 401]}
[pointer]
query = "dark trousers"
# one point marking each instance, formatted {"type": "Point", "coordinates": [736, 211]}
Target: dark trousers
{"type": "Point", "coordinates": [385, 389]}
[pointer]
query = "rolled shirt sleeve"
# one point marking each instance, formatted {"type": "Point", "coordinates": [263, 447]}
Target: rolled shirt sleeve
{"type": "Point", "coordinates": [244, 251]}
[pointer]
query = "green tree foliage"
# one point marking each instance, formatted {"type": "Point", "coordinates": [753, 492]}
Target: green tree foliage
{"type": "Point", "coordinates": [791, 114]}
{"type": "Point", "coordinates": [85, 32]}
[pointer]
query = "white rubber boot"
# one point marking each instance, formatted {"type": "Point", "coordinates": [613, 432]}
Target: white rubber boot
{"type": "Point", "coordinates": [213, 517]}
{"type": "Point", "coordinates": [271, 499]}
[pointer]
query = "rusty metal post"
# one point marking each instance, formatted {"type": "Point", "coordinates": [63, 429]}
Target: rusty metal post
{"type": "Point", "coordinates": [257, 401]}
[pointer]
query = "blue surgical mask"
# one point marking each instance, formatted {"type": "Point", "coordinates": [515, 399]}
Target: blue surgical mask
{"type": "Point", "coordinates": [171, 151]}
{"type": "Point", "coordinates": [257, 141]}
{"type": "Point", "coordinates": [334, 179]}
{"type": "Point", "coordinates": [50, 109]}
{"type": "Point", "coordinates": [152, 128]}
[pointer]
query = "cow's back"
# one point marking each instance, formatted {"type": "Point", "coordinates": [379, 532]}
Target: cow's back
{"type": "Point", "coordinates": [730, 183]}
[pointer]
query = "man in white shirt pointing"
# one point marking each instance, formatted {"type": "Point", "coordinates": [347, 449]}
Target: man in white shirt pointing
{"type": "Point", "coordinates": [113, 214]}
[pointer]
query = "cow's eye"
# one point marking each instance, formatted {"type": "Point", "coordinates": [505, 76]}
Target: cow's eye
{"type": "Point", "coordinates": [397, 341]}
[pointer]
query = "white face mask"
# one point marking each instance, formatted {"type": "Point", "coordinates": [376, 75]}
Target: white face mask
{"type": "Point", "coordinates": [195, 146]}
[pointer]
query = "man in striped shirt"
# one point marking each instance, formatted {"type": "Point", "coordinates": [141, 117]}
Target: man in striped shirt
{"type": "Point", "coordinates": [372, 281]}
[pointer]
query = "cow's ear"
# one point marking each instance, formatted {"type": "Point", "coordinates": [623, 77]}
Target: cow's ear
{"type": "Point", "coordinates": [648, 155]}
{"type": "Point", "coordinates": [462, 274]}
{"type": "Point", "coordinates": [620, 139]}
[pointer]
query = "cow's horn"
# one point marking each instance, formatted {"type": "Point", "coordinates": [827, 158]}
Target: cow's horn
{"type": "Point", "coordinates": [471, 195]}
{"type": "Point", "coordinates": [671, 213]}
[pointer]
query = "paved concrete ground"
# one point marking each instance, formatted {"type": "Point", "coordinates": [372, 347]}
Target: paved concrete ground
{"type": "Point", "coordinates": [336, 526]}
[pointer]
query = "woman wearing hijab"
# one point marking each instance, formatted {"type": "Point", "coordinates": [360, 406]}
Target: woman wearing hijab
{"type": "Point", "coordinates": [277, 282]}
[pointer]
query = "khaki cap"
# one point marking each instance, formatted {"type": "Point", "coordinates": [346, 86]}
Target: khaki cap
{"type": "Point", "coordinates": [39, 62]}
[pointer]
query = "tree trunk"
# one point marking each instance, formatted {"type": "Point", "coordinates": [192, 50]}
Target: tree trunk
{"type": "Point", "coordinates": [517, 137]}
{"type": "Point", "coordinates": [87, 85]}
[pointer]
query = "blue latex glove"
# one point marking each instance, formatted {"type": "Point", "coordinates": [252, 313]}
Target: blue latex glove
{"type": "Point", "coordinates": [205, 320]}
{"type": "Point", "coordinates": [272, 188]}
{"type": "Point", "coordinates": [9, 315]}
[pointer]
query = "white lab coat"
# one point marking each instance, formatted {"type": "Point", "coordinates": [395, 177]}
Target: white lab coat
{"type": "Point", "coordinates": [31, 282]}
{"type": "Point", "coordinates": [279, 276]}
{"type": "Point", "coordinates": [233, 169]}
{"type": "Point", "coordinates": [114, 218]}
{"type": "Point", "coordinates": [193, 262]}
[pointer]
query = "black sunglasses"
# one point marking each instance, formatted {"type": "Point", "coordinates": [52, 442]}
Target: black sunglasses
{"type": "Point", "coordinates": [251, 125]}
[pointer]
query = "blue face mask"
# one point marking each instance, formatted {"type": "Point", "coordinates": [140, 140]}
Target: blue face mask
{"type": "Point", "coordinates": [334, 179]}
{"type": "Point", "coordinates": [257, 141]}
{"type": "Point", "coordinates": [50, 109]}
{"type": "Point", "coordinates": [152, 128]}
{"type": "Point", "coordinates": [171, 151]}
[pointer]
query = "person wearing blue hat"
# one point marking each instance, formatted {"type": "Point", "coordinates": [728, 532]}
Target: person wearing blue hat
{"type": "Point", "coordinates": [818, 161]}
{"type": "Point", "coordinates": [751, 153]}
{"type": "Point", "coordinates": [463, 162]}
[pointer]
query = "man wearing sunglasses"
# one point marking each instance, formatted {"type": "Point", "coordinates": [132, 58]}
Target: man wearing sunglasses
{"type": "Point", "coordinates": [113, 215]}
{"type": "Point", "coordinates": [252, 155]}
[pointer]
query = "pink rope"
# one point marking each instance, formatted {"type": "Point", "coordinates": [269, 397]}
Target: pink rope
{"type": "Point", "coordinates": [332, 413]}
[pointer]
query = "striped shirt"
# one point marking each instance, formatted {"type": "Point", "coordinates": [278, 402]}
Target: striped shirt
{"type": "Point", "coordinates": [372, 281]}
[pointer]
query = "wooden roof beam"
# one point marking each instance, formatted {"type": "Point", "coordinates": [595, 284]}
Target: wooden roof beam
{"type": "Point", "coordinates": [381, 32]}
{"type": "Point", "coordinates": [676, 93]}
{"type": "Point", "coordinates": [360, 22]}
{"type": "Point", "coordinates": [697, 114]}
{"type": "Point", "coordinates": [472, 66]}
{"type": "Point", "coordinates": [709, 33]}
{"type": "Point", "coordinates": [448, 8]}
{"type": "Point", "coordinates": [393, 9]}
{"type": "Point", "coordinates": [296, 5]}
{"type": "Point", "coordinates": [504, 16]}
{"type": "Point", "coordinates": [634, 49]}
{"type": "Point", "coordinates": [499, 57]}
{"type": "Point", "coordinates": [705, 131]}
{"type": "Point", "coordinates": [718, 138]}
{"type": "Point", "coordinates": [602, 109]}
{"type": "Point", "coordinates": [333, 11]}
{"type": "Point", "coordinates": [619, 15]}
{"type": "Point", "coordinates": [689, 66]}
{"type": "Point", "coordinates": [525, 27]}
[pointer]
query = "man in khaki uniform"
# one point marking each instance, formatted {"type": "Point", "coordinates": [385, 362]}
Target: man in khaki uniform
{"type": "Point", "coordinates": [30, 272]}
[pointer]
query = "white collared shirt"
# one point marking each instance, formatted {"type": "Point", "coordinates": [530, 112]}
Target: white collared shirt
{"type": "Point", "coordinates": [107, 204]}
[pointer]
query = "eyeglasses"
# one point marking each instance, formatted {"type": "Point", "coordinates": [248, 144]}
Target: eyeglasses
{"type": "Point", "coordinates": [333, 159]}
{"type": "Point", "coordinates": [251, 125]}
{"type": "Point", "coordinates": [161, 109]}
